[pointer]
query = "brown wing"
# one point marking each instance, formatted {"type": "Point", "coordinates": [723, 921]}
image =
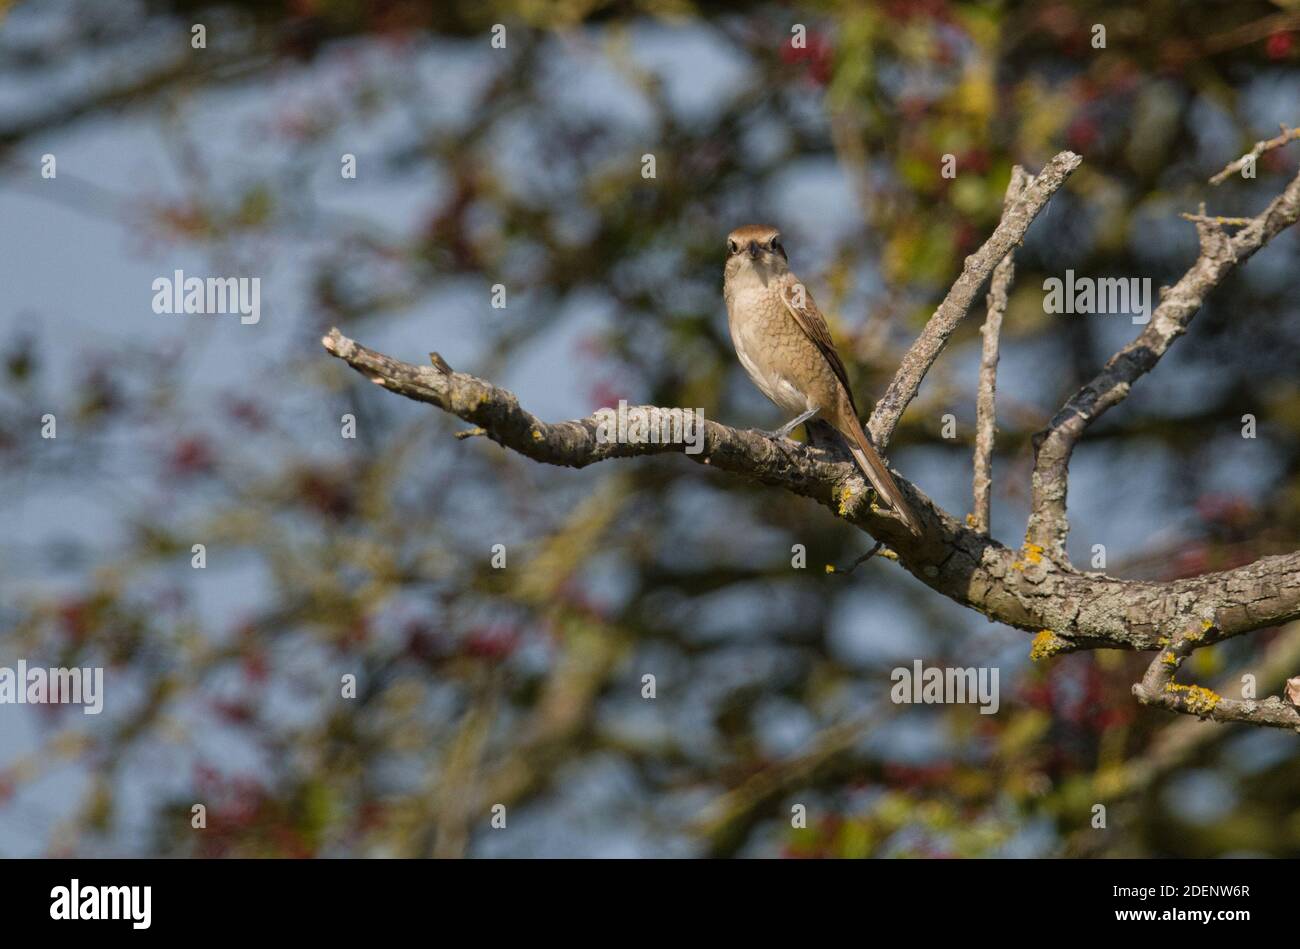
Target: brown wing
{"type": "Point", "coordinates": [813, 324]}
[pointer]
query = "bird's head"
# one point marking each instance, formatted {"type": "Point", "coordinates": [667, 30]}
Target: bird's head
{"type": "Point", "coordinates": [756, 247]}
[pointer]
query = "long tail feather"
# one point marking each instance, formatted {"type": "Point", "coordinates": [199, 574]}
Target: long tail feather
{"type": "Point", "coordinates": [868, 459]}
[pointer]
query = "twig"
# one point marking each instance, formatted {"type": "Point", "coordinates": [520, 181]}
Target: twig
{"type": "Point", "coordinates": [985, 402]}
{"type": "Point", "coordinates": [1175, 745]}
{"type": "Point", "coordinates": [1220, 255]}
{"type": "Point", "coordinates": [979, 265]}
{"type": "Point", "coordinates": [1221, 221]}
{"type": "Point", "coordinates": [845, 571]}
{"type": "Point", "coordinates": [1288, 135]}
{"type": "Point", "coordinates": [1159, 689]}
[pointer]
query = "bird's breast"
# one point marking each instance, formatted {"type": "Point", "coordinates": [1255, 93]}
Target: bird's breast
{"type": "Point", "coordinates": [766, 337]}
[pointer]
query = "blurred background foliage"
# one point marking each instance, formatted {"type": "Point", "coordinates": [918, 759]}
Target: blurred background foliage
{"type": "Point", "coordinates": [523, 686]}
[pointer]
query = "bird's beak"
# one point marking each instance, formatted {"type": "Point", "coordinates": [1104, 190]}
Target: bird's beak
{"type": "Point", "coordinates": [753, 250]}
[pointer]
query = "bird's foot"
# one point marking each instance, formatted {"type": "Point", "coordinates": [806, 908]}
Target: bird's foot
{"type": "Point", "coordinates": [781, 440]}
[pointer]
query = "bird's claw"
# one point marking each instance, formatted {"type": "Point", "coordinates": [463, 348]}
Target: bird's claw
{"type": "Point", "coordinates": [780, 439]}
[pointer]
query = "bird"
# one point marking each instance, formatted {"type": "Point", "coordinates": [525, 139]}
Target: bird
{"type": "Point", "coordinates": [785, 347]}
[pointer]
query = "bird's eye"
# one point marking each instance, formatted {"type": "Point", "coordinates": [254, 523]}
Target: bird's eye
{"type": "Point", "coordinates": [732, 247]}
{"type": "Point", "coordinates": [771, 245]}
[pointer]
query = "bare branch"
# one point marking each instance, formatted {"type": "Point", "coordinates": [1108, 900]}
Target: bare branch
{"type": "Point", "coordinates": [845, 571]}
{"type": "Point", "coordinates": [1070, 610]}
{"type": "Point", "coordinates": [985, 405]}
{"type": "Point", "coordinates": [1158, 688]}
{"type": "Point", "coordinates": [1288, 135]}
{"type": "Point", "coordinates": [979, 265]}
{"type": "Point", "coordinates": [1220, 255]}
{"type": "Point", "coordinates": [1203, 218]}
{"type": "Point", "coordinates": [1176, 745]}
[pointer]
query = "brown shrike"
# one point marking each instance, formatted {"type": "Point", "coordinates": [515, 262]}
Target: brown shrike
{"type": "Point", "coordinates": [785, 346]}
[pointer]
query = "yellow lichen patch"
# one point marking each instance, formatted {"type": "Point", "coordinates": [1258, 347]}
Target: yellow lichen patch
{"type": "Point", "coordinates": [1046, 644]}
{"type": "Point", "coordinates": [846, 495]}
{"type": "Point", "coordinates": [970, 520]}
{"type": "Point", "coordinates": [1198, 699]}
{"type": "Point", "coordinates": [888, 554]}
{"type": "Point", "coordinates": [537, 436]}
{"type": "Point", "coordinates": [1033, 553]}
{"type": "Point", "coordinates": [1169, 659]}
{"type": "Point", "coordinates": [830, 568]}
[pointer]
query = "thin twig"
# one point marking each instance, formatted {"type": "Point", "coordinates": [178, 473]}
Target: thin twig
{"type": "Point", "coordinates": [845, 571]}
{"type": "Point", "coordinates": [1221, 221]}
{"type": "Point", "coordinates": [985, 403]}
{"type": "Point", "coordinates": [1288, 135]}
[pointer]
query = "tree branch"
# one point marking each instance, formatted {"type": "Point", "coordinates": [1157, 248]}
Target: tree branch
{"type": "Point", "coordinates": [1158, 688]}
{"type": "Point", "coordinates": [1288, 135]}
{"type": "Point", "coordinates": [921, 356]}
{"type": "Point", "coordinates": [1220, 255]}
{"type": "Point", "coordinates": [985, 405]}
{"type": "Point", "coordinates": [1070, 610]}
